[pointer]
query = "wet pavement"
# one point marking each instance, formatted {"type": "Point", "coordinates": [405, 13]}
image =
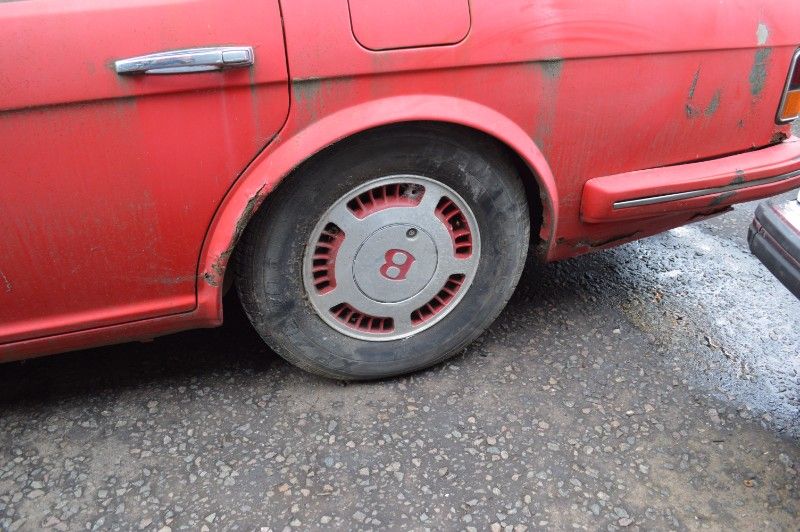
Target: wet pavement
{"type": "Point", "coordinates": [656, 385]}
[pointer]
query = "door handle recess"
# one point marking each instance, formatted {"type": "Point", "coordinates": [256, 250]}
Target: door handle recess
{"type": "Point", "coordinates": [186, 61]}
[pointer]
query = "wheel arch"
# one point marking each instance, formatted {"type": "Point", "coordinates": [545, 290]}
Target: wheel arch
{"type": "Point", "coordinates": [295, 145]}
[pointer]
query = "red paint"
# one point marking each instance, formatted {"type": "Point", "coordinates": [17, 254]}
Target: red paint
{"type": "Point", "coordinates": [387, 24]}
{"type": "Point", "coordinates": [324, 258]}
{"type": "Point", "coordinates": [109, 184]}
{"type": "Point", "coordinates": [396, 265]}
{"type": "Point", "coordinates": [384, 197]}
{"type": "Point", "coordinates": [122, 197]}
{"type": "Point", "coordinates": [601, 193]}
{"type": "Point", "coordinates": [359, 321]}
{"type": "Point", "coordinates": [440, 301]}
{"type": "Point", "coordinates": [456, 224]}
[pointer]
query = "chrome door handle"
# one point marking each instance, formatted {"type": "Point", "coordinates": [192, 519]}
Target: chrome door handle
{"type": "Point", "coordinates": [189, 60]}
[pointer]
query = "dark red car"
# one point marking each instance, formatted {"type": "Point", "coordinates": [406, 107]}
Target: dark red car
{"type": "Point", "coordinates": [369, 174]}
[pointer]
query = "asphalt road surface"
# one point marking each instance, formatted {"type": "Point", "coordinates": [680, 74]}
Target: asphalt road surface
{"type": "Point", "coordinates": [656, 385]}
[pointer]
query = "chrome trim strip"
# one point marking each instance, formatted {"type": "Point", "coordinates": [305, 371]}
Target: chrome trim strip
{"type": "Point", "coordinates": [792, 67]}
{"type": "Point", "coordinates": [652, 200]}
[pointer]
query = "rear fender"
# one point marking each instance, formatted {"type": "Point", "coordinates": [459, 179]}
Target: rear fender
{"type": "Point", "coordinates": [298, 142]}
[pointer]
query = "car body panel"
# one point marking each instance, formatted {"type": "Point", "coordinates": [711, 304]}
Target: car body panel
{"type": "Point", "coordinates": [110, 182]}
{"type": "Point", "coordinates": [392, 24]}
{"type": "Point", "coordinates": [693, 187]}
{"type": "Point", "coordinates": [577, 90]}
{"type": "Point", "coordinates": [774, 237]}
{"type": "Point", "coordinates": [601, 88]}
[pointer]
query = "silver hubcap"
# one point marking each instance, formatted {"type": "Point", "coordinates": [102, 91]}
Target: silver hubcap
{"type": "Point", "coordinates": [391, 258]}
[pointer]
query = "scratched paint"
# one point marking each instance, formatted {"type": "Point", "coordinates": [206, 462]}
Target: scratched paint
{"type": "Point", "coordinates": [9, 287]}
{"type": "Point", "coordinates": [691, 110]}
{"type": "Point", "coordinates": [214, 278]}
{"type": "Point", "coordinates": [306, 91]}
{"type": "Point", "coordinates": [758, 74]}
{"type": "Point", "coordinates": [549, 81]}
{"type": "Point", "coordinates": [722, 198]}
{"type": "Point", "coordinates": [552, 68]}
{"type": "Point", "coordinates": [695, 80]}
{"type": "Point", "coordinates": [713, 105]}
{"type": "Point", "coordinates": [762, 34]}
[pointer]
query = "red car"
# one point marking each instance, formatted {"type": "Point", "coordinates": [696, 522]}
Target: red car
{"type": "Point", "coordinates": [369, 174]}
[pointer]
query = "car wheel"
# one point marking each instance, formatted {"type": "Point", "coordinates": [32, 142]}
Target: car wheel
{"type": "Point", "coordinates": [386, 254]}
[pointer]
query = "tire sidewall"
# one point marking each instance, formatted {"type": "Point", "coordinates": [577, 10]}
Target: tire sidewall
{"type": "Point", "coordinates": [291, 325]}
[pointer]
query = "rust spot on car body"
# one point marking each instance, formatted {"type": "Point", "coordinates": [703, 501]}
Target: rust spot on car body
{"type": "Point", "coordinates": [549, 79]}
{"type": "Point", "coordinates": [552, 67]}
{"type": "Point", "coordinates": [721, 198]}
{"type": "Point", "coordinates": [713, 105]}
{"type": "Point", "coordinates": [762, 33]}
{"type": "Point", "coordinates": [306, 90]}
{"type": "Point", "coordinates": [693, 86]}
{"type": "Point", "coordinates": [692, 111]}
{"type": "Point", "coordinates": [739, 179]}
{"type": "Point", "coordinates": [778, 137]}
{"type": "Point", "coordinates": [219, 266]}
{"type": "Point", "coordinates": [758, 74]}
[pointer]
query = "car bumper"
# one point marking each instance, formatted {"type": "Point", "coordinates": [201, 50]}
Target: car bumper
{"type": "Point", "coordinates": [694, 187]}
{"type": "Point", "coordinates": [774, 238]}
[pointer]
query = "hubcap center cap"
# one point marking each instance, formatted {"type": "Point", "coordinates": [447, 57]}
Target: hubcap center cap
{"type": "Point", "coordinates": [395, 263]}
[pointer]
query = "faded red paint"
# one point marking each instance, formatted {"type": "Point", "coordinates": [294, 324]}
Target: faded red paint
{"type": "Point", "coordinates": [123, 197]}
{"type": "Point", "coordinates": [409, 24]}
{"type": "Point", "coordinates": [745, 177]}
{"type": "Point", "coordinates": [109, 184]}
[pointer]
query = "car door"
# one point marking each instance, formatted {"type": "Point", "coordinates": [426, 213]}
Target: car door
{"type": "Point", "coordinates": [108, 181]}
